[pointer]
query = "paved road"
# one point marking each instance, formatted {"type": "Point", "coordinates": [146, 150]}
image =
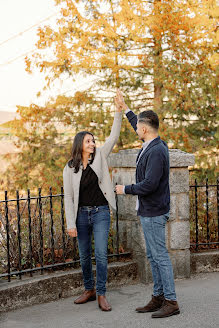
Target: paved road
{"type": "Point", "coordinates": [198, 298]}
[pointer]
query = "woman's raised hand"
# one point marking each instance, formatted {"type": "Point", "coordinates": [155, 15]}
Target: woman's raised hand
{"type": "Point", "coordinates": [72, 232]}
{"type": "Point", "coordinates": [119, 101]}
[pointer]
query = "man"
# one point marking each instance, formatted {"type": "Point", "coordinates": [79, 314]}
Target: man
{"type": "Point", "coordinates": [153, 204]}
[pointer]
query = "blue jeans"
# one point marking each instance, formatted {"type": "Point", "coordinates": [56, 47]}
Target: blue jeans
{"type": "Point", "coordinates": [157, 254]}
{"type": "Point", "coordinates": [94, 219]}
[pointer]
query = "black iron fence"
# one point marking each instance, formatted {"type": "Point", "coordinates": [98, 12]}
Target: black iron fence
{"type": "Point", "coordinates": [204, 215]}
{"type": "Point", "coordinates": [33, 236]}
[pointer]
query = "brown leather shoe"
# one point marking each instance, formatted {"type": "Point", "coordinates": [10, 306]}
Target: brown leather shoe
{"type": "Point", "coordinates": [154, 304]}
{"type": "Point", "coordinates": [103, 304]}
{"type": "Point", "coordinates": [87, 296]}
{"type": "Point", "coordinates": [168, 308]}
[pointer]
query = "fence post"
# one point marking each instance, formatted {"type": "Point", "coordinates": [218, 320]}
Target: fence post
{"type": "Point", "coordinates": [218, 209]}
{"type": "Point", "coordinates": [19, 231]}
{"type": "Point", "coordinates": [63, 224]}
{"type": "Point", "coordinates": [196, 214]}
{"type": "Point", "coordinates": [41, 230]}
{"type": "Point", "coordinates": [30, 232]}
{"type": "Point", "coordinates": [8, 235]}
{"type": "Point", "coordinates": [52, 225]}
{"type": "Point", "coordinates": [207, 211]}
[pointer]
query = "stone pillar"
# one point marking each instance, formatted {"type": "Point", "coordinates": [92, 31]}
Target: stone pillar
{"type": "Point", "coordinates": [123, 166]}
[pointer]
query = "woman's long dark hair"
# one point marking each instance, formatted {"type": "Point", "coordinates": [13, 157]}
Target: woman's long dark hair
{"type": "Point", "coordinates": [77, 150]}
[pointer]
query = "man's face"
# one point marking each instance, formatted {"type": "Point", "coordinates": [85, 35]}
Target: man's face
{"type": "Point", "coordinates": [141, 130]}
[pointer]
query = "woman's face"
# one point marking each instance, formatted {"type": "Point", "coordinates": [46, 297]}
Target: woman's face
{"type": "Point", "coordinates": [88, 144]}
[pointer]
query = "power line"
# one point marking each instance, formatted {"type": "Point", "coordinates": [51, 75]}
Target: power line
{"type": "Point", "coordinates": [28, 29]}
{"type": "Point", "coordinates": [80, 85]}
{"type": "Point", "coordinates": [19, 34]}
{"type": "Point", "coordinates": [16, 58]}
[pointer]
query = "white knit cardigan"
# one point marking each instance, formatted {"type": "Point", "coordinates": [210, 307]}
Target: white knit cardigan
{"type": "Point", "coordinates": [72, 180]}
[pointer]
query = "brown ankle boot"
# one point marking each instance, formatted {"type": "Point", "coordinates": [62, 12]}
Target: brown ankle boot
{"type": "Point", "coordinates": [87, 296]}
{"type": "Point", "coordinates": [154, 304]}
{"type": "Point", "coordinates": [103, 304]}
{"type": "Point", "coordinates": [168, 308]}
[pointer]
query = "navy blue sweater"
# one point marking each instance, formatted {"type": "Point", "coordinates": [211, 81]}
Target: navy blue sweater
{"type": "Point", "coordinates": [152, 177]}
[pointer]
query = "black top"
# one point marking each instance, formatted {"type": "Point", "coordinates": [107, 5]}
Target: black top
{"type": "Point", "coordinates": [152, 177]}
{"type": "Point", "coordinates": [90, 193]}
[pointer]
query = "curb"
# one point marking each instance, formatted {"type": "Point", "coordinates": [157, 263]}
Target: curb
{"type": "Point", "coordinates": [51, 287]}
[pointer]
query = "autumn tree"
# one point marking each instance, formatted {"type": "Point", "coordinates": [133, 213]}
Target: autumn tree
{"type": "Point", "coordinates": [157, 52]}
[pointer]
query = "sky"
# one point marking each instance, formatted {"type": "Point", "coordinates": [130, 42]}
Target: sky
{"type": "Point", "coordinates": [17, 87]}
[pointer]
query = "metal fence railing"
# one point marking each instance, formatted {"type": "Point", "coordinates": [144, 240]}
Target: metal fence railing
{"type": "Point", "coordinates": [204, 215]}
{"type": "Point", "coordinates": [33, 235]}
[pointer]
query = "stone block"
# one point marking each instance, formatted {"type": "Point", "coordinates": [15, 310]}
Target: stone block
{"type": "Point", "coordinates": [127, 158]}
{"type": "Point", "coordinates": [179, 206]}
{"type": "Point", "coordinates": [179, 180]}
{"type": "Point", "coordinates": [139, 250]}
{"type": "Point", "coordinates": [180, 235]}
{"type": "Point", "coordinates": [205, 262]}
{"type": "Point", "coordinates": [125, 234]}
{"type": "Point", "coordinates": [183, 206]}
{"type": "Point", "coordinates": [173, 207]}
{"type": "Point", "coordinates": [138, 242]}
{"type": "Point", "coordinates": [126, 208]}
{"type": "Point", "coordinates": [181, 263]}
{"type": "Point", "coordinates": [123, 176]}
{"type": "Point", "coordinates": [124, 158]}
{"type": "Point", "coordinates": [179, 158]}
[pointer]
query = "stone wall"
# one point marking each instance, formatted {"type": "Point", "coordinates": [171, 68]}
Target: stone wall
{"type": "Point", "coordinates": [60, 284]}
{"type": "Point", "coordinates": [123, 166]}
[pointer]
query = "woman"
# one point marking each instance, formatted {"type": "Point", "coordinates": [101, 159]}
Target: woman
{"type": "Point", "coordinates": [87, 192]}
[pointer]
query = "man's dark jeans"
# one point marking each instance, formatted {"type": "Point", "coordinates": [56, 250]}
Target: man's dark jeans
{"type": "Point", "coordinates": [94, 219]}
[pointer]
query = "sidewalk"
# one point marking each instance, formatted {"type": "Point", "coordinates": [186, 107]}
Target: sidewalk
{"type": "Point", "coordinates": [198, 299]}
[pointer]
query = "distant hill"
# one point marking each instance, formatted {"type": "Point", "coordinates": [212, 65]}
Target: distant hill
{"type": "Point", "coordinates": [7, 116]}
{"type": "Point", "coordinates": [6, 142]}
{"type": "Point", "coordinates": [7, 147]}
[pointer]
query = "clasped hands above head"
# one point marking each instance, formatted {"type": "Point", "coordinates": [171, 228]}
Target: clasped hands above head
{"type": "Point", "coordinates": [119, 101]}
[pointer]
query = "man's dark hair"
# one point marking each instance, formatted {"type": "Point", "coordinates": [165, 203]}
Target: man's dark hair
{"type": "Point", "coordinates": [149, 117]}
